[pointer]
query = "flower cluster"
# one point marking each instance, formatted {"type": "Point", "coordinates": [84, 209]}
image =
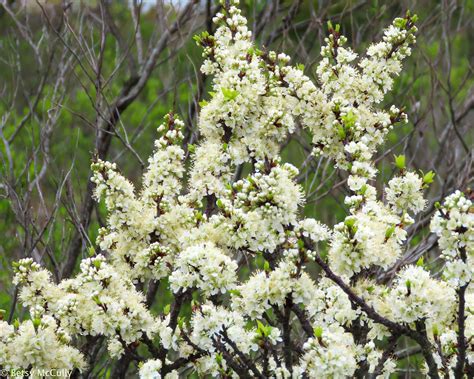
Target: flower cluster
{"type": "Point", "coordinates": [454, 225]}
{"type": "Point", "coordinates": [98, 301]}
{"type": "Point", "coordinates": [264, 290]}
{"type": "Point", "coordinates": [371, 236]}
{"type": "Point", "coordinates": [248, 103]}
{"type": "Point", "coordinates": [248, 286]}
{"type": "Point", "coordinates": [151, 369]}
{"type": "Point", "coordinates": [40, 343]}
{"type": "Point", "coordinates": [142, 228]}
{"type": "Point", "coordinates": [343, 115]}
{"type": "Point", "coordinates": [329, 355]}
{"type": "Point", "coordinates": [205, 267]}
{"type": "Point", "coordinates": [404, 193]}
{"type": "Point", "coordinates": [417, 296]}
{"type": "Point", "coordinates": [259, 208]}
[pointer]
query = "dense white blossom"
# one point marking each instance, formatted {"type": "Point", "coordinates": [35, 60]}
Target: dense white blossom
{"type": "Point", "coordinates": [213, 323]}
{"type": "Point", "coordinates": [329, 355]}
{"type": "Point", "coordinates": [99, 301]}
{"type": "Point", "coordinates": [232, 249]}
{"type": "Point", "coordinates": [417, 296]}
{"type": "Point", "coordinates": [371, 236]}
{"type": "Point", "coordinates": [259, 207]}
{"type": "Point", "coordinates": [151, 369]}
{"type": "Point", "coordinates": [39, 343]}
{"type": "Point", "coordinates": [404, 193]}
{"type": "Point", "coordinates": [454, 225]}
{"type": "Point", "coordinates": [204, 267]}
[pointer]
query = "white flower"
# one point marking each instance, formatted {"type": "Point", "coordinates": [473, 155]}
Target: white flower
{"type": "Point", "coordinates": [371, 236]}
{"type": "Point", "coordinates": [314, 230]}
{"type": "Point", "coordinates": [115, 348]}
{"type": "Point", "coordinates": [454, 224]}
{"type": "Point", "coordinates": [417, 296]}
{"type": "Point", "coordinates": [150, 369]}
{"type": "Point", "coordinates": [37, 343]}
{"type": "Point", "coordinates": [260, 207]}
{"type": "Point", "coordinates": [330, 356]}
{"type": "Point", "coordinates": [205, 267]}
{"type": "Point", "coordinates": [404, 193]}
{"type": "Point", "coordinates": [213, 323]}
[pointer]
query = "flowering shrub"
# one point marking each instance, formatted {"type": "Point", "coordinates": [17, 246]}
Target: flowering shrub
{"type": "Point", "coordinates": [202, 238]}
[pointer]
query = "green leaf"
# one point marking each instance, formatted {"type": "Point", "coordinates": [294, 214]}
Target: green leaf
{"type": "Point", "coordinates": [263, 330]}
{"type": "Point", "coordinates": [36, 322]}
{"type": "Point", "coordinates": [349, 119]}
{"type": "Point", "coordinates": [235, 292]}
{"type": "Point", "coordinates": [400, 161]}
{"type": "Point", "coordinates": [229, 94]}
{"type": "Point", "coordinates": [167, 309]}
{"type": "Point", "coordinates": [200, 38]}
{"type": "Point", "coordinates": [428, 177]}
{"type": "Point", "coordinates": [199, 216]}
{"type": "Point", "coordinates": [350, 222]}
{"type": "Point", "coordinates": [318, 331]}
{"type": "Point", "coordinates": [363, 190]}
{"type": "Point", "coordinates": [266, 266]}
{"type": "Point", "coordinates": [96, 299]}
{"type": "Point", "coordinates": [400, 23]}
{"type": "Point", "coordinates": [389, 232]}
{"type": "Point", "coordinates": [300, 243]}
{"type": "Point", "coordinates": [420, 262]}
{"type": "Point", "coordinates": [341, 132]}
